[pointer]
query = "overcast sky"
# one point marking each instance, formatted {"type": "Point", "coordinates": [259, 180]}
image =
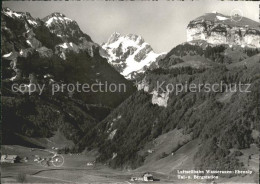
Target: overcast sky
{"type": "Point", "coordinates": [161, 24]}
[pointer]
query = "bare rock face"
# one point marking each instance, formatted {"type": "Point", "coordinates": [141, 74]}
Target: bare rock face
{"type": "Point", "coordinates": [160, 99]}
{"type": "Point", "coordinates": [18, 72]}
{"type": "Point", "coordinates": [33, 42]}
{"type": "Point", "coordinates": [143, 86]}
{"type": "Point", "coordinates": [113, 38]}
{"type": "Point", "coordinates": [70, 33]}
{"type": "Point", "coordinates": [45, 52]}
{"type": "Point", "coordinates": [26, 52]}
{"type": "Point", "coordinates": [217, 29]}
{"type": "Point", "coordinates": [65, 28]}
{"type": "Point", "coordinates": [141, 55]}
{"type": "Point", "coordinates": [16, 30]}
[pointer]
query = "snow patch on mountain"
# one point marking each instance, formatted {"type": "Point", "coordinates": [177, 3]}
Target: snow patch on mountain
{"type": "Point", "coordinates": [71, 35]}
{"type": "Point", "coordinates": [32, 22]}
{"type": "Point", "coordinates": [11, 13]}
{"type": "Point", "coordinates": [65, 28]}
{"type": "Point", "coordinates": [20, 15]}
{"type": "Point", "coordinates": [64, 45]}
{"type": "Point", "coordinates": [61, 19]}
{"type": "Point", "coordinates": [63, 48]}
{"type": "Point", "coordinates": [112, 134]}
{"type": "Point", "coordinates": [28, 41]}
{"type": "Point", "coordinates": [7, 55]}
{"type": "Point", "coordinates": [70, 46]}
{"type": "Point", "coordinates": [221, 17]}
{"type": "Point", "coordinates": [129, 54]}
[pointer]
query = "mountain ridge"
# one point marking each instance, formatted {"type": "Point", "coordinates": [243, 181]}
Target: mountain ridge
{"type": "Point", "coordinates": [35, 54]}
{"type": "Point", "coordinates": [218, 29]}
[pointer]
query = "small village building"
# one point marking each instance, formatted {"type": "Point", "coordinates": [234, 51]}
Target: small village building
{"type": "Point", "coordinates": [148, 177]}
{"type": "Point", "coordinates": [90, 164]}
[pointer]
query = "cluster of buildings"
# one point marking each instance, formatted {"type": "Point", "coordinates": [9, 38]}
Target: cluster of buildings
{"type": "Point", "coordinates": [145, 177]}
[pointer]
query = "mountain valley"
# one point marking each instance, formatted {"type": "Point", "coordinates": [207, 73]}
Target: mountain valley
{"type": "Point", "coordinates": [146, 128]}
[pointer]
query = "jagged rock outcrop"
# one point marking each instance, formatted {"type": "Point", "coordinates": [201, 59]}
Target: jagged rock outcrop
{"type": "Point", "coordinates": [217, 29]}
{"type": "Point", "coordinates": [143, 85]}
{"type": "Point", "coordinates": [160, 99]}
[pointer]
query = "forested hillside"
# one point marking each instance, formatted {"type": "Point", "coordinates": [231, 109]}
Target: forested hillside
{"type": "Point", "coordinates": [221, 121]}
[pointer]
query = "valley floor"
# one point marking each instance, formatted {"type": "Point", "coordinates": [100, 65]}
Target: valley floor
{"type": "Point", "coordinates": [76, 168]}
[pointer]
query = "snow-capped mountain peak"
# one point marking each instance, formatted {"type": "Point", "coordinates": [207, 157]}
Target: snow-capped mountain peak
{"type": "Point", "coordinates": [129, 54]}
{"type": "Point", "coordinates": [128, 40]}
{"type": "Point", "coordinates": [57, 18]}
{"type": "Point", "coordinates": [65, 28]}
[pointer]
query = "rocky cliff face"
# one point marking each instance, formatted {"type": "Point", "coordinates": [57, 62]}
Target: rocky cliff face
{"type": "Point", "coordinates": [50, 51]}
{"type": "Point", "coordinates": [17, 30]}
{"type": "Point", "coordinates": [70, 33]}
{"type": "Point", "coordinates": [64, 27]}
{"type": "Point", "coordinates": [23, 36]}
{"type": "Point", "coordinates": [158, 98]}
{"type": "Point", "coordinates": [130, 54]}
{"type": "Point", "coordinates": [217, 29]}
